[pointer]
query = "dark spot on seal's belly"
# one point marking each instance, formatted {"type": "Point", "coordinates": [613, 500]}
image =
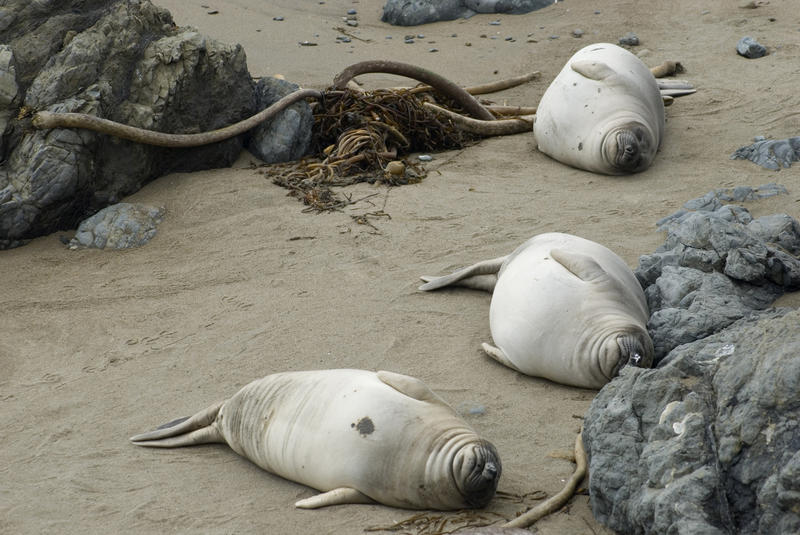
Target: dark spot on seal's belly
{"type": "Point", "coordinates": [580, 146]}
{"type": "Point", "coordinates": [364, 426]}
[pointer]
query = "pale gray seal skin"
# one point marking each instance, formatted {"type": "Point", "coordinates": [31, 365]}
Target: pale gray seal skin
{"type": "Point", "coordinates": [357, 436]}
{"type": "Point", "coordinates": [602, 113]}
{"type": "Point", "coordinates": [563, 308]}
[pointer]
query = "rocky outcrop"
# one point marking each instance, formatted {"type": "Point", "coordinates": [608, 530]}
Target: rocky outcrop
{"type": "Point", "coordinates": [709, 442]}
{"type": "Point", "coordinates": [122, 60]}
{"type": "Point", "coordinates": [771, 153]}
{"type": "Point", "coordinates": [414, 12]}
{"type": "Point", "coordinates": [717, 264]}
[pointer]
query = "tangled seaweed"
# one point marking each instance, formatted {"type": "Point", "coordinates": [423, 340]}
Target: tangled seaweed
{"type": "Point", "coordinates": [357, 134]}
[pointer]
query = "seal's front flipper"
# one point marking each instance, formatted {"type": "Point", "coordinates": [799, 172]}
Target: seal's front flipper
{"type": "Point", "coordinates": [582, 266]}
{"type": "Point", "coordinates": [338, 496]}
{"type": "Point", "coordinates": [497, 354]}
{"type": "Point", "coordinates": [199, 429]}
{"type": "Point", "coordinates": [410, 386]}
{"type": "Point", "coordinates": [480, 276]}
{"type": "Point", "coordinates": [594, 70]}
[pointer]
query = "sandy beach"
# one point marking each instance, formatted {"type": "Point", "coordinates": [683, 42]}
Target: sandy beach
{"type": "Point", "coordinates": [239, 283]}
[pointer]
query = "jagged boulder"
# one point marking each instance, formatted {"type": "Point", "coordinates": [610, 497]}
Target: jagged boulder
{"type": "Point", "coordinates": [122, 60]}
{"type": "Point", "coordinates": [716, 265]}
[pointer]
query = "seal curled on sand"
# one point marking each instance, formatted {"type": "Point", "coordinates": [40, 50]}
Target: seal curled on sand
{"type": "Point", "coordinates": [357, 436]}
{"type": "Point", "coordinates": [602, 113]}
{"type": "Point", "coordinates": [563, 308]}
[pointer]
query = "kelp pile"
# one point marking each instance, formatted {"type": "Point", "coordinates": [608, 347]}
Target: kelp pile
{"type": "Point", "coordinates": [366, 136]}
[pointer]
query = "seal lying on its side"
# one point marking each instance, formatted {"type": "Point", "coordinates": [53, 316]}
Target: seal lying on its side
{"type": "Point", "coordinates": [603, 112]}
{"type": "Point", "coordinates": [358, 436]}
{"type": "Point", "coordinates": [563, 308]}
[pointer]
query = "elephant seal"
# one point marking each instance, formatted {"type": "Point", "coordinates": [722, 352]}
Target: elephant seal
{"type": "Point", "coordinates": [358, 436]}
{"type": "Point", "coordinates": [603, 112]}
{"type": "Point", "coordinates": [563, 308]}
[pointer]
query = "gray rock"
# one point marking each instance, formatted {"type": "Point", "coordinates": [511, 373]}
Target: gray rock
{"type": "Point", "coordinates": [771, 153]}
{"type": "Point", "coordinates": [413, 12]}
{"type": "Point", "coordinates": [9, 92]}
{"type": "Point", "coordinates": [288, 136]}
{"type": "Point", "coordinates": [629, 39]}
{"type": "Point", "coordinates": [709, 441]}
{"type": "Point", "coordinates": [717, 265]}
{"type": "Point", "coordinates": [122, 60]}
{"type": "Point", "coordinates": [750, 48]}
{"type": "Point", "coordinates": [119, 226]}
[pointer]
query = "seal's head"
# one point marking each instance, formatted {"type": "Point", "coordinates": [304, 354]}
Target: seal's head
{"type": "Point", "coordinates": [634, 349]}
{"type": "Point", "coordinates": [629, 148]}
{"type": "Point", "coordinates": [477, 469]}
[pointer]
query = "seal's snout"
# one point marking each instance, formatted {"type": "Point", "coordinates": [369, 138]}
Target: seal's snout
{"type": "Point", "coordinates": [482, 475]}
{"type": "Point", "coordinates": [634, 149]}
{"type": "Point", "coordinates": [635, 351]}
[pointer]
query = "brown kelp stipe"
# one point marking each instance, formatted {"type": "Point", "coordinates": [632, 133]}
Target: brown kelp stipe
{"type": "Point", "coordinates": [557, 501]}
{"type": "Point", "coordinates": [357, 133]}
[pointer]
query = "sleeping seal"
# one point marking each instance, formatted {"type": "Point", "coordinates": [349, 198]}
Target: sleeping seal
{"type": "Point", "coordinates": [563, 308]}
{"type": "Point", "coordinates": [358, 436]}
{"type": "Point", "coordinates": [603, 112]}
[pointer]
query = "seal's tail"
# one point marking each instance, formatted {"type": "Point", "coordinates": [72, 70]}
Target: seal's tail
{"type": "Point", "coordinates": [480, 276]}
{"type": "Point", "coordinates": [197, 429]}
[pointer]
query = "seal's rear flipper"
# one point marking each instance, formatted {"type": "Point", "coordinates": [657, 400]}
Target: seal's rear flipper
{"type": "Point", "coordinates": [338, 496]}
{"type": "Point", "coordinates": [198, 429]}
{"type": "Point", "coordinates": [674, 88]}
{"type": "Point", "coordinates": [480, 276]}
{"type": "Point", "coordinates": [499, 355]}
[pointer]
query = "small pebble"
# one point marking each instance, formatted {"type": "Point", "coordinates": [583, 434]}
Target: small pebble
{"type": "Point", "coordinates": [553, 37]}
{"type": "Point", "coordinates": [705, 12]}
{"type": "Point", "coordinates": [494, 23]}
{"type": "Point", "coordinates": [408, 41]}
{"type": "Point", "coordinates": [433, 50]}
{"type": "Point", "coordinates": [509, 38]}
{"type": "Point", "coordinates": [759, 138]}
{"type": "Point", "coordinates": [213, 12]}
{"type": "Point", "coordinates": [277, 18]}
{"type": "Point", "coordinates": [577, 32]}
{"type": "Point", "coordinates": [307, 43]}
{"type": "Point", "coordinates": [388, 36]}
{"type": "Point", "coordinates": [467, 44]}
{"type": "Point", "coordinates": [630, 39]}
{"type": "Point", "coordinates": [352, 23]}
{"type": "Point", "coordinates": [351, 11]}
{"type": "Point", "coordinates": [596, 11]}
{"type": "Point", "coordinates": [425, 157]}
{"type": "Point", "coordinates": [454, 35]}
